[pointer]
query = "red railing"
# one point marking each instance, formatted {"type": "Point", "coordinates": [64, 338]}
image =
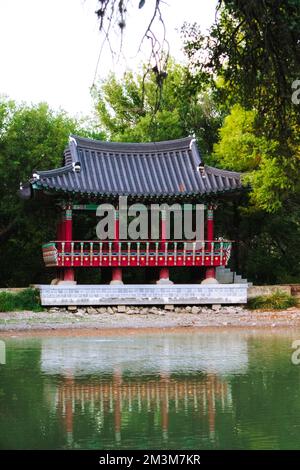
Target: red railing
{"type": "Point", "coordinates": [137, 253]}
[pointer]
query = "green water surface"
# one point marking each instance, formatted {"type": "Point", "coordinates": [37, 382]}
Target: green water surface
{"type": "Point", "coordinates": [168, 390]}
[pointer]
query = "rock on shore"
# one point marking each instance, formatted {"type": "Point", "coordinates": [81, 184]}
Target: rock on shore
{"type": "Point", "coordinates": [168, 316]}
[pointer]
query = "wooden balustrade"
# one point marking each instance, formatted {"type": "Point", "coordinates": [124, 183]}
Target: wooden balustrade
{"type": "Point", "coordinates": [137, 253]}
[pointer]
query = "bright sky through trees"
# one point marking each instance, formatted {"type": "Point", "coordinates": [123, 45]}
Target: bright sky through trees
{"type": "Point", "coordinates": [49, 50]}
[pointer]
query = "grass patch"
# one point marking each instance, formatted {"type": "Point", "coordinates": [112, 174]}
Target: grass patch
{"type": "Point", "coordinates": [279, 301]}
{"type": "Point", "coordinates": [27, 299]}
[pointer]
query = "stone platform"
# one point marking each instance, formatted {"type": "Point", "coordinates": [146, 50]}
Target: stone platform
{"type": "Point", "coordinates": [143, 294]}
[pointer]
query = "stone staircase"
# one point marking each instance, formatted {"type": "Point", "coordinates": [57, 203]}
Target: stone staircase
{"type": "Point", "coordinates": [226, 276]}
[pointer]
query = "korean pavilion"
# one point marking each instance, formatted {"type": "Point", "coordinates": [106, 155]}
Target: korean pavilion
{"type": "Point", "coordinates": [96, 172]}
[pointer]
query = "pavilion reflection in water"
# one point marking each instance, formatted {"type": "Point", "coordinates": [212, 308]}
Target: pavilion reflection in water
{"type": "Point", "coordinates": [162, 374]}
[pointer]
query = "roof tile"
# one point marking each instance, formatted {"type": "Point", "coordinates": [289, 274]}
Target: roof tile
{"type": "Point", "coordinates": [149, 169]}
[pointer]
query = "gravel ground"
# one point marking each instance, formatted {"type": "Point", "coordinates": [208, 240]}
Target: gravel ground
{"type": "Point", "coordinates": [105, 318]}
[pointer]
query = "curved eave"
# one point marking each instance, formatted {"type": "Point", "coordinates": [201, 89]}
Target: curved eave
{"type": "Point", "coordinates": [151, 196]}
{"type": "Point", "coordinates": [55, 172]}
{"type": "Point", "coordinates": [165, 170]}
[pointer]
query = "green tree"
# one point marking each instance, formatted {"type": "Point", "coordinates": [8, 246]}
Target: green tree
{"type": "Point", "coordinates": [254, 46]}
{"type": "Point", "coordinates": [242, 147]}
{"type": "Point", "coordinates": [30, 137]}
{"type": "Point", "coordinates": [267, 241]}
{"type": "Point", "coordinates": [238, 147]}
{"type": "Point", "coordinates": [254, 51]}
{"type": "Point", "coordinates": [135, 109]}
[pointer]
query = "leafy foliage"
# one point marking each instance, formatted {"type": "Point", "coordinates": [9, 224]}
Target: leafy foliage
{"type": "Point", "coordinates": [241, 147]}
{"type": "Point", "coordinates": [238, 147]}
{"type": "Point", "coordinates": [27, 299]}
{"type": "Point", "coordinates": [130, 109]}
{"type": "Point", "coordinates": [278, 301]}
{"type": "Point", "coordinates": [30, 137]}
{"type": "Point", "coordinates": [249, 66]}
{"type": "Point", "coordinates": [267, 244]}
{"type": "Point", "coordinates": [254, 46]}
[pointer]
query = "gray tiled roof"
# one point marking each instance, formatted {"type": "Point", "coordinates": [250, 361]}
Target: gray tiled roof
{"type": "Point", "coordinates": [149, 169]}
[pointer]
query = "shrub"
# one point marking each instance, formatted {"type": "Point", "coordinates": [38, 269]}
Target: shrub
{"type": "Point", "coordinates": [27, 299]}
{"type": "Point", "coordinates": [279, 300]}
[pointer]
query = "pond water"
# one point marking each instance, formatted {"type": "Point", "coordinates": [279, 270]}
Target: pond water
{"type": "Point", "coordinates": [169, 390]}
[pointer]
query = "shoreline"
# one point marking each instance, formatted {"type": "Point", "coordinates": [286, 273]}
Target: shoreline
{"type": "Point", "coordinates": [65, 322]}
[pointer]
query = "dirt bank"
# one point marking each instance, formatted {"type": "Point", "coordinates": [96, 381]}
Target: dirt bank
{"type": "Point", "coordinates": [142, 318]}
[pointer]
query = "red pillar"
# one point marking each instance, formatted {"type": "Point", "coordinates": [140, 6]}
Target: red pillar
{"type": "Point", "coordinates": [60, 236]}
{"type": "Point", "coordinates": [68, 224]}
{"type": "Point", "coordinates": [210, 272]}
{"type": "Point", "coordinates": [210, 223]}
{"type": "Point", "coordinates": [69, 274]}
{"type": "Point", "coordinates": [59, 230]}
{"type": "Point", "coordinates": [116, 272]}
{"type": "Point", "coordinates": [163, 272]}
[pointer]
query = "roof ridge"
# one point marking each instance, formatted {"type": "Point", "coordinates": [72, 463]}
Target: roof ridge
{"type": "Point", "coordinates": [222, 171]}
{"type": "Point", "coordinates": [138, 147]}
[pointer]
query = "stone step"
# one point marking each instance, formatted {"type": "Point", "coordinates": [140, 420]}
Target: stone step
{"type": "Point", "coordinates": [238, 279]}
{"type": "Point", "coordinates": [226, 276]}
{"type": "Point", "coordinates": [223, 270]}
{"type": "Point", "coordinates": [226, 279]}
